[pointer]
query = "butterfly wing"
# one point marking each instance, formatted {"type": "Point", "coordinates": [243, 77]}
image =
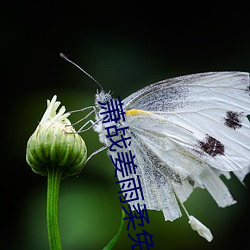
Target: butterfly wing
{"type": "Point", "coordinates": [167, 168]}
{"type": "Point", "coordinates": [186, 132]}
{"type": "Point", "coordinates": [212, 106]}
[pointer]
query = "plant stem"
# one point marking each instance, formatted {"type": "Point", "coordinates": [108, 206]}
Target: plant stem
{"type": "Point", "coordinates": [54, 177]}
{"type": "Point", "coordinates": [112, 242]}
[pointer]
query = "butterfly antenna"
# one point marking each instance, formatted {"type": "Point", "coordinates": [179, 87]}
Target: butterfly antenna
{"type": "Point", "coordinates": [86, 73]}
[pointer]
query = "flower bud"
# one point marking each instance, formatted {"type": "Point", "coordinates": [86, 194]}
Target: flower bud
{"type": "Point", "coordinates": [55, 144]}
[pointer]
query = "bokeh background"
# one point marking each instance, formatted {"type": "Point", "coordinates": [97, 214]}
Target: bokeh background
{"type": "Point", "coordinates": [125, 46]}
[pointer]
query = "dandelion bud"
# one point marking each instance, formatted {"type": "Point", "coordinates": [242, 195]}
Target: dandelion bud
{"type": "Point", "coordinates": [55, 143]}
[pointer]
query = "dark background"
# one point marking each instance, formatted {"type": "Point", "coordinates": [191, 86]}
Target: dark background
{"type": "Point", "coordinates": [125, 46]}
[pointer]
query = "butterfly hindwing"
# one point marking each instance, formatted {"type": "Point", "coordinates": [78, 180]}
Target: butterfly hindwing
{"type": "Point", "coordinates": [171, 163]}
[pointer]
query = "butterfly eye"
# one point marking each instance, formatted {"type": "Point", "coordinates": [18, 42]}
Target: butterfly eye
{"type": "Point", "coordinates": [106, 98]}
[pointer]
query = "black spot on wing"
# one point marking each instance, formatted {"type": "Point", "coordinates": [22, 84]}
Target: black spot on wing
{"type": "Point", "coordinates": [190, 181]}
{"type": "Point", "coordinates": [212, 146]}
{"type": "Point", "coordinates": [233, 119]}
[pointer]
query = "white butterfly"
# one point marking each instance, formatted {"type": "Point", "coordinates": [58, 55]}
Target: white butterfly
{"type": "Point", "coordinates": [185, 133]}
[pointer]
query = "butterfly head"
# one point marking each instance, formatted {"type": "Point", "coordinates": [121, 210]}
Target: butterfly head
{"type": "Point", "coordinates": [102, 98]}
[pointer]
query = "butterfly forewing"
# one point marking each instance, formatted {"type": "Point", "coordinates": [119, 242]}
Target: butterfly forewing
{"type": "Point", "coordinates": [210, 107]}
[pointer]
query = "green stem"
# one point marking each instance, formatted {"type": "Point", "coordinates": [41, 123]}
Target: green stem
{"type": "Point", "coordinates": [54, 177]}
{"type": "Point", "coordinates": [117, 234]}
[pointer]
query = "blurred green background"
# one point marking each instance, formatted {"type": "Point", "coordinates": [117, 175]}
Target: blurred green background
{"type": "Point", "coordinates": [125, 47]}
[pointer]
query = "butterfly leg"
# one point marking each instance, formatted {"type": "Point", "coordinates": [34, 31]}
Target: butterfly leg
{"type": "Point", "coordinates": [82, 128]}
{"type": "Point", "coordinates": [91, 155]}
{"type": "Point", "coordinates": [86, 116]}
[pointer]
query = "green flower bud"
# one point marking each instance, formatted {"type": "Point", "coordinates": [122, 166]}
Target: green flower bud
{"type": "Point", "coordinates": [55, 144]}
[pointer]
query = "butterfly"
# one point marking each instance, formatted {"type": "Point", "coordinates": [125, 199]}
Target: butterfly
{"type": "Point", "coordinates": [185, 133]}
